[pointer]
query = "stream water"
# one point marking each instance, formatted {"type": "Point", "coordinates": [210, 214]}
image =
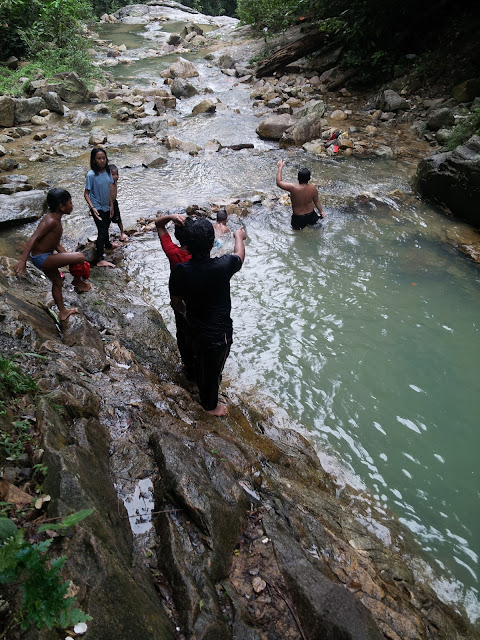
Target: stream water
{"type": "Point", "coordinates": [365, 330]}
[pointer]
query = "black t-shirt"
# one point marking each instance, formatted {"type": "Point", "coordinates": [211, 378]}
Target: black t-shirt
{"type": "Point", "coordinates": [204, 285]}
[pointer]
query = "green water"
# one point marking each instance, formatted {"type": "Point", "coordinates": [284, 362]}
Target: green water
{"type": "Point", "coordinates": [366, 331]}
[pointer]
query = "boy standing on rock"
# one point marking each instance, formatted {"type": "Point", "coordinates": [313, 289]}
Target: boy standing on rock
{"type": "Point", "coordinates": [43, 244]}
{"type": "Point", "coordinates": [304, 197]}
{"type": "Point", "coordinates": [200, 290]}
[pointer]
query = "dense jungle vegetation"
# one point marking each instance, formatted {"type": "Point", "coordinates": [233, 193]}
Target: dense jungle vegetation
{"type": "Point", "coordinates": [436, 39]}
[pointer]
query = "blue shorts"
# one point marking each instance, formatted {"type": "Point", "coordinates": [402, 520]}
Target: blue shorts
{"type": "Point", "coordinates": [40, 259]}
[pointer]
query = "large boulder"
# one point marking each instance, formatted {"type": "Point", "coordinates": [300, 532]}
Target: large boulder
{"type": "Point", "coordinates": [69, 86]}
{"type": "Point", "coordinates": [180, 88]}
{"type": "Point", "coordinates": [53, 102]}
{"type": "Point", "coordinates": [452, 180]}
{"type": "Point", "coordinates": [182, 68]}
{"type": "Point", "coordinates": [467, 91]}
{"type": "Point", "coordinates": [26, 108]}
{"type": "Point", "coordinates": [308, 127]}
{"type": "Point", "coordinates": [7, 111]}
{"type": "Point", "coordinates": [273, 127]}
{"type": "Point", "coordinates": [439, 119]}
{"type": "Point", "coordinates": [21, 207]}
{"type": "Point", "coordinates": [391, 101]}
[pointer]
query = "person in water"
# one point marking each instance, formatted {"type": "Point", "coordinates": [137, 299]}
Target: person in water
{"type": "Point", "coordinates": [221, 227]}
{"type": "Point", "coordinates": [304, 197]}
{"type": "Point", "coordinates": [43, 244]}
{"type": "Point", "coordinates": [98, 193]}
{"type": "Point", "coordinates": [176, 255]}
{"type": "Point", "coordinates": [200, 290]}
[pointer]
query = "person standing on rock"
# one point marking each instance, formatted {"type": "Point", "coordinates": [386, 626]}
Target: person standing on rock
{"type": "Point", "coordinates": [177, 255]}
{"type": "Point", "coordinates": [99, 194]}
{"type": "Point", "coordinates": [304, 197]}
{"type": "Point", "coordinates": [200, 290]}
{"type": "Point", "coordinates": [43, 244]}
{"type": "Point", "coordinates": [117, 218]}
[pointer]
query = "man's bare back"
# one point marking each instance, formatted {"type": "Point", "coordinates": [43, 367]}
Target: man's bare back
{"type": "Point", "coordinates": [304, 196]}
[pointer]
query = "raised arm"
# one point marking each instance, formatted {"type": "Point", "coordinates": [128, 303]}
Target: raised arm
{"type": "Point", "coordinates": [162, 222]}
{"type": "Point", "coordinates": [239, 249]}
{"type": "Point", "coordinates": [286, 186]}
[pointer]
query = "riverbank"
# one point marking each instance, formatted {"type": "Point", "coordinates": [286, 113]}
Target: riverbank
{"type": "Point", "coordinates": [123, 412]}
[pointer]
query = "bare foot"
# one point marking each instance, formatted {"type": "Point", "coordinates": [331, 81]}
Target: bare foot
{"type": "Point", "coordinates": [81, 285]}
{"type": "Point", "coordinates": [105, 263]}
{"type": "Point", "coordinates": [124, 237]}
{"type": "Point", "coordinates": [220, 410]}
{"type": "Point", "coordinates": [115, 245]}
{"type": "Point", "coordinates": [63, 315]}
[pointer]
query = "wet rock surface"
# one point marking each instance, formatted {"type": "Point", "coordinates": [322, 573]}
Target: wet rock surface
{"type": "Point", "coordinates": [249, 535]}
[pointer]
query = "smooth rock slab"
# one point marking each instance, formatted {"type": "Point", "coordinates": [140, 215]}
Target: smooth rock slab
{"type": "Point", "coordinates": [21, 207]}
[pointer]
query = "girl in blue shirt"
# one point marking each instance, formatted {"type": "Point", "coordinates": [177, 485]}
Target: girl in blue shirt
{"type": "Point", "coordinates": [99, 196]}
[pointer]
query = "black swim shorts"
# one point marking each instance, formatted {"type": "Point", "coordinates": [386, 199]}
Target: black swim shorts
{"type": "Point", "coordinates": [305, 220]}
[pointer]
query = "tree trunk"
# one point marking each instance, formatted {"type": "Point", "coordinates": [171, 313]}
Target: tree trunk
{"type": "Point", "coordinates": [309, 43]}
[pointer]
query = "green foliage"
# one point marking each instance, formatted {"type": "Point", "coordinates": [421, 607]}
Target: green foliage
{"type": "Point", "coordinates": [13, 379]}
{"type": "Point", "coordinates": [12, 444]}
{"type": "Point", "coordinates": [466, 129]}
{"type": "Point", "coordinates": [45, 603]}
{"type": "Point", "coordinates": [213, 7]}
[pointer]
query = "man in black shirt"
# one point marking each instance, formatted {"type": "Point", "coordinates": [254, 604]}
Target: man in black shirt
{"type": "Point", "coordinates": [200, 289]}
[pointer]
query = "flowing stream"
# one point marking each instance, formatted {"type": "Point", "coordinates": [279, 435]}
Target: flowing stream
{"type": "Point", "coordinates": [364, 330]}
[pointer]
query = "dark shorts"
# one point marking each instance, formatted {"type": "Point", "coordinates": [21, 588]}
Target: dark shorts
{"type": "Point", "coordinates": [116, 213]}
{"type": "Point", "coordinates": [305, 220]}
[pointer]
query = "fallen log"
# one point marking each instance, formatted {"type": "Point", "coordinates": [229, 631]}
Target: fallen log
{"type": "Point", "coordinates": [299, 48]}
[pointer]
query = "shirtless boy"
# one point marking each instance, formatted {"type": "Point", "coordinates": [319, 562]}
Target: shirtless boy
{"type": "Point", "coordinates": [41, 247]}
{"type": "Point", "coordinates": [304, 197]}
{"type": "Point", "coordinates": [221, 227]}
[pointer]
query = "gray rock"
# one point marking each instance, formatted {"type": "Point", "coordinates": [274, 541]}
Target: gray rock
{"type": "Point", "coordinates": [7, 111]}
{"type": "Point", "coordinates": [391, 101]}
{"type": "Point", "coordinates": [26, 108]}
{"type": "Point", "coordinates": [53, 102]}
{"type": "Point", "coordinates": [180, 88]}
{"type": "Point", "coordinates": [182, 68]}
{"type": "Point", "coordinates": [440, 118]}
{"type": "Point", "coordinates": [444, 135]}
{"type": "Point", "coordinates": [452, 180]}
{"type": "Point", "coordinates": [188, 147]}
{"type": "Point", "coordinates": [2, 150]}
{"type": "Point", "coordinates": [8, 163]}
{"type": "Point", "coordinates": [225, 61]}
{"type": "Point", "coordinates": [152, 126]}
{"type": "Point", "coordinates": [383, 151]}
{"type": "Point", "coordinates": [273, 127]}
{"type": "Point", "coordinates": [21, 207]}
{"type": "Point", "coordinates": [68, 85]}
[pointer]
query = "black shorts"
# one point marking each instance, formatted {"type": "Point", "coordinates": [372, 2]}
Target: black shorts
{"type": "Point", "coordinates": [116, 213]}
{"type": "Point", "coordinates": [305, 220]}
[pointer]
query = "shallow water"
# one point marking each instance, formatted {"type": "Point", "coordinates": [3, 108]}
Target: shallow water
{"type": "Point", "coordinates": [364, 330]}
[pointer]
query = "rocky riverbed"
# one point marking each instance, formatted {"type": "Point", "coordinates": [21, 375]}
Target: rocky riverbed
{"type": "Point", "coordinates": [250, 538]}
